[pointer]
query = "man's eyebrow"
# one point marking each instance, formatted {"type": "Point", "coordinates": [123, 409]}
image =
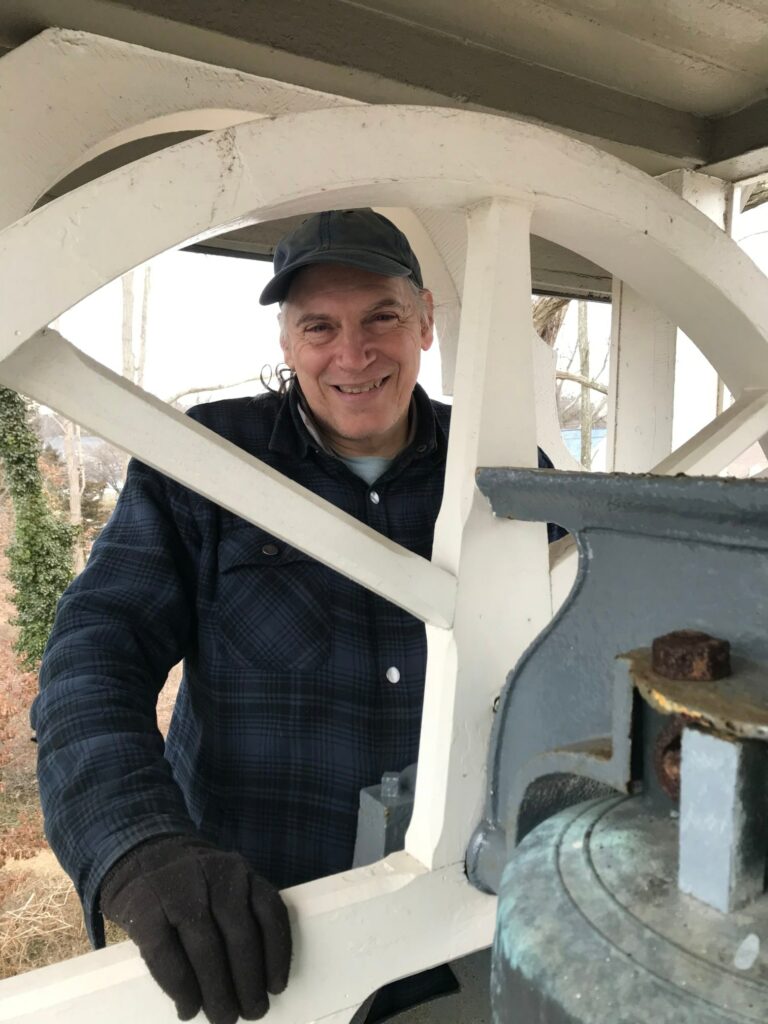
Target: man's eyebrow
{"type": "Point", "coordinates": [386, 303]}
{"type": "Point", "coordinates": [306, 317]}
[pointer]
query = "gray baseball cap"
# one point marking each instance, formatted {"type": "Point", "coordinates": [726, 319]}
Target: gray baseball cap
{"type": "Point", "coordinates": [360, 238]}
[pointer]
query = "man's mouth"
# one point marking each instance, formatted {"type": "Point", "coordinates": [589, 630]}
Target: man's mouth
{"type": "Point", "coordinates": [359, 389]}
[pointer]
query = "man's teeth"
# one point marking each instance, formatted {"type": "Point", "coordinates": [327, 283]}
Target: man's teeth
{"type": "Point", "coordinates": [348, 389]}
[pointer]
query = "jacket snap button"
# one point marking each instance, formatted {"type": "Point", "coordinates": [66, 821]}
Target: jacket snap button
{"type": "Point", "coordinates": [393, 675]}
{"type": "Point", "coordinates": [374, 496]}
{"type": "Point", "coordinates": [270, 549]}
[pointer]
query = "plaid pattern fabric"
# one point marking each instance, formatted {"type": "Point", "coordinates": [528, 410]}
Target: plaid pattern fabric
{"type": "Point", "coordinates": [284, 712]}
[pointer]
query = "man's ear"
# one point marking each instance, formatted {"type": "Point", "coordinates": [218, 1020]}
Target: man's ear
{"type": "Point", "coordinates": [427, 320]}
{"type": "Point", "coordinates": [285, 344]}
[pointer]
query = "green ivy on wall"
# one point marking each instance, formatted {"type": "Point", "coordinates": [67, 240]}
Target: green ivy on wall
{"type": "Point", "coordinates": [41, 553]}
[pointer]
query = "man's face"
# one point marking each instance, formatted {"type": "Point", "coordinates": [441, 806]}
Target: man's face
{"type": "Point", "coordinates": [355, 341]}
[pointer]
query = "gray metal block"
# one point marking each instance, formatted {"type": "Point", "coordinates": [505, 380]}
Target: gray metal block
{"type": "Point", "coordinates": [384, 816]}
{"type": "Point", "coordinates": [723, 821]}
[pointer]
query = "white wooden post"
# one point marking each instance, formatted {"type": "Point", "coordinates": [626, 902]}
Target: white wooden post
{"type": "Point", "coordinates": [502, 567]}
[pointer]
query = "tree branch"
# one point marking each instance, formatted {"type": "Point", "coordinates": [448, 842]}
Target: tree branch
{"type": "Point", "coordinates": [548, 313]}
{"type": "Point", "coordinates": [208, 387]}
{"type": "Point", "coordinates": [576, 378]}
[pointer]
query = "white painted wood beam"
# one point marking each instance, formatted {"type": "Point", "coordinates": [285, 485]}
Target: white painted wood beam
{"type": "Point", "coordinates": [336, 964]}
{"type": "Point", "coordinates": [721, 441]}
{"type": "Point", "coordinates": [703, 191]}
{"type": "Point", "coordinates": [58, 120]}
{"type": "Point", "coordinates": [503, 595]}
{"type": "Point", "coordinates": [55, 373]}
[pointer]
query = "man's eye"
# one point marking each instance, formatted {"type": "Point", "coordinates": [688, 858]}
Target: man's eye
{"type": "Point", "coordinates": [382, 321]}
{"type": "Point", "coordinates": [316, 328]}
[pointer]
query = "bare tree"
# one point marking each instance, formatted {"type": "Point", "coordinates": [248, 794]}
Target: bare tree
{"type": "Point", "coordinates": [549, 312]}
{"type": "Point", "coordinates": [586, 398]}
{"type": "Point", "coordinates": [173, 399]}
{"type": "Point", "coordinates": [73, 455]}
{"type": "Point", "coordinates": [108, 463]}
{"type": "Point", "coordinates": [134, 342]}
{"type": "Point", "coordinates": [141, 358]}
{"type": "Point", "coordinates": [548, 315]}
{"type": "Point", "coordinates": [127, 333]}
{"type": "Point", "coordinates": [75, 463]}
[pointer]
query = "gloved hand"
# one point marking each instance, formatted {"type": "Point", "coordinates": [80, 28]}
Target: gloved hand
{"type": "Point", "coordinates": [212, 933]}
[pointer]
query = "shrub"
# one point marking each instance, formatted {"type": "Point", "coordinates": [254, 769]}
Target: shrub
{"type": "Point", "coordinates": [41, 553]}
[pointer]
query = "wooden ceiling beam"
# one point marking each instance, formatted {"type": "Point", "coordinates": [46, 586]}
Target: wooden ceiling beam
{"type": "Point", "coordinates": [352, 51]}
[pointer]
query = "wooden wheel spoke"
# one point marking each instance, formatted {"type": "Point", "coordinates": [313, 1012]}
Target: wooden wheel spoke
{"type": "Point", "coordinates": [723, 440]}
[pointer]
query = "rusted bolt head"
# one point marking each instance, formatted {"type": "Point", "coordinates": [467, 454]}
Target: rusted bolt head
{"type": "Point", "coordinates": [690, 655]}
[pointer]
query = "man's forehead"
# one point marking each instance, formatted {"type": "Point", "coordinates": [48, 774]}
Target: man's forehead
{"type": "Point", "coordinates": [335, 282]}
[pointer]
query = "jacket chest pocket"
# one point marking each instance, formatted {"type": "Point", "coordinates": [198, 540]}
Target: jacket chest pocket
{"type": "Point", "coordinates": [272, 603]}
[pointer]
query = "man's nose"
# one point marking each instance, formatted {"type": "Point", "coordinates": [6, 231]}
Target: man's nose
{"type": "Point", "coordinates": [354, 348]}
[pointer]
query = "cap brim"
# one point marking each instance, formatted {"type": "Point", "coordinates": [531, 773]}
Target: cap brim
{"type": "Point", "coordinates": [277, 288]}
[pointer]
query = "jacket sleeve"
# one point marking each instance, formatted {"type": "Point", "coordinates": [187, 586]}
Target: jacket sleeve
{"type": "Point", "coordinates": [554, 532]}
{"type": "Point", "coordinates": [105, 785]}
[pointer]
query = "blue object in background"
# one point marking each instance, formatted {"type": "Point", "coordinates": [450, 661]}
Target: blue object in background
{"type": "Point", "coordinates": [572, 439]}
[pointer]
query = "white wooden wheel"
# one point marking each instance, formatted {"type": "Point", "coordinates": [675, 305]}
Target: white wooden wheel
{"type": "Point", "coordinates": [486, 593]}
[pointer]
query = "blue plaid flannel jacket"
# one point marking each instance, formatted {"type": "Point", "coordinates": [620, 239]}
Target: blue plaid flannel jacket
{"type": "Point", "coordinates": [284, 712]}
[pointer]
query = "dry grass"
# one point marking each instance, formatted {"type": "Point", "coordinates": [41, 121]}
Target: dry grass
{"type": "Point", "coordinates": [21, 833]}
{"type": "Point", "coordinates": [40, 922]}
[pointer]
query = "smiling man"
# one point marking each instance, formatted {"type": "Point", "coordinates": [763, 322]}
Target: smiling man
{"type": "Point", "coordinates": [355, 319]}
